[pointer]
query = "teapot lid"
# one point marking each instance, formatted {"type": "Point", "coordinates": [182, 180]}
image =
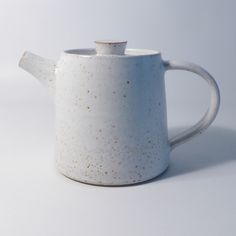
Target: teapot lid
{"type": "Point", "coordinates": [112, 48]}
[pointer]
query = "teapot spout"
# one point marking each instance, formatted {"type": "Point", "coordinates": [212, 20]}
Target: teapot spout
{"type": "Point", "coordinates": [41, 68]}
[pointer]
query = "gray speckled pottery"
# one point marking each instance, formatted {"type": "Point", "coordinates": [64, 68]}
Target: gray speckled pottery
{"type": "Point", "coordinates": [111, 125]}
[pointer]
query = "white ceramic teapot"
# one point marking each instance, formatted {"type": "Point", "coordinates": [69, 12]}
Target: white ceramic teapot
{"type": "Point", "coordinates": [111, 124]}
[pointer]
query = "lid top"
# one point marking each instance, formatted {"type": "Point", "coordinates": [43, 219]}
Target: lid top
{"type": "Point", "coordinates": [110, 41]}
{"type": "Point", "coordinates": [110, 47]}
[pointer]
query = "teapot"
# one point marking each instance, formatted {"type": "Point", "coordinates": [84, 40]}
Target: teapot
{"type": "Point", "coordinates": [111, 119]}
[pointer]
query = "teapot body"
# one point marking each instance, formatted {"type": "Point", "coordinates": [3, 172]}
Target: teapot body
{"type": "Point", "coordinates": [111, 125]}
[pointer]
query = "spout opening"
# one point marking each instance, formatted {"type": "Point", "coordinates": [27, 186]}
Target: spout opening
{"type": "Point", "coordinates": [21, 62]}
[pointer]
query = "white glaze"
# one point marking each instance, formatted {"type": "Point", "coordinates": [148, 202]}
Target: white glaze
{"type": "Point", "coordinates": [111, 125]}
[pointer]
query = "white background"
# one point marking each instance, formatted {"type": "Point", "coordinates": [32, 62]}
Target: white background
{"type": "Point", "coordinates": [196, 196]}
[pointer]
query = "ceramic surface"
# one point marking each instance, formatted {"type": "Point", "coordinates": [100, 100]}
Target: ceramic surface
{"type": "Point", "coordinates": [111, 124]}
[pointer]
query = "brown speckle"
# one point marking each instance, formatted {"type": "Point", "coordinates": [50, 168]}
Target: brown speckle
{"type": "Point", "coordinates": [128, 82]}
{"type": "Point", "coordinates": [106, 172]}
{"type": "Point", "coordinates": [124, 95]}
{"type": "Point", "coordinates": [88, 107]}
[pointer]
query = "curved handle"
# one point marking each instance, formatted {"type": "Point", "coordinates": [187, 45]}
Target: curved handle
{"type": "Point", "coordinates": [211, 113]}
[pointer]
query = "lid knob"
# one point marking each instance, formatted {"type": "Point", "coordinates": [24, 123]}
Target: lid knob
{"type": "Point", "coordinates": [110, 47]}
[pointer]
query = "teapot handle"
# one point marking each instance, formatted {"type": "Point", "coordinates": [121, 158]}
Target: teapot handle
{"type": "Point", "coordinates": [211, 113]}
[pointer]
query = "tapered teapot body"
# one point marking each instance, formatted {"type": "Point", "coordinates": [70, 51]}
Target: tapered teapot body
{"type": "Point", "coordinates": [111, 117]}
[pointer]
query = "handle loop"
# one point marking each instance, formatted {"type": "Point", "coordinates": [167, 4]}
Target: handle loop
{"type": "Point", "coordinates": [212, 111]}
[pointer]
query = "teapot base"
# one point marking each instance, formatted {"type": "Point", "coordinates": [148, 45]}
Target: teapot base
{"type": "Point", "coordinates": [111, 184]}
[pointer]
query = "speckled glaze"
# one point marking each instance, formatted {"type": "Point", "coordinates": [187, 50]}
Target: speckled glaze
{"type": "Point", "coordinates": [111, 124]}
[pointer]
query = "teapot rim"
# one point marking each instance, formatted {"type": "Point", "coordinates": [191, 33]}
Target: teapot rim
{"type": "Point", "coordinates": [129, 53]}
